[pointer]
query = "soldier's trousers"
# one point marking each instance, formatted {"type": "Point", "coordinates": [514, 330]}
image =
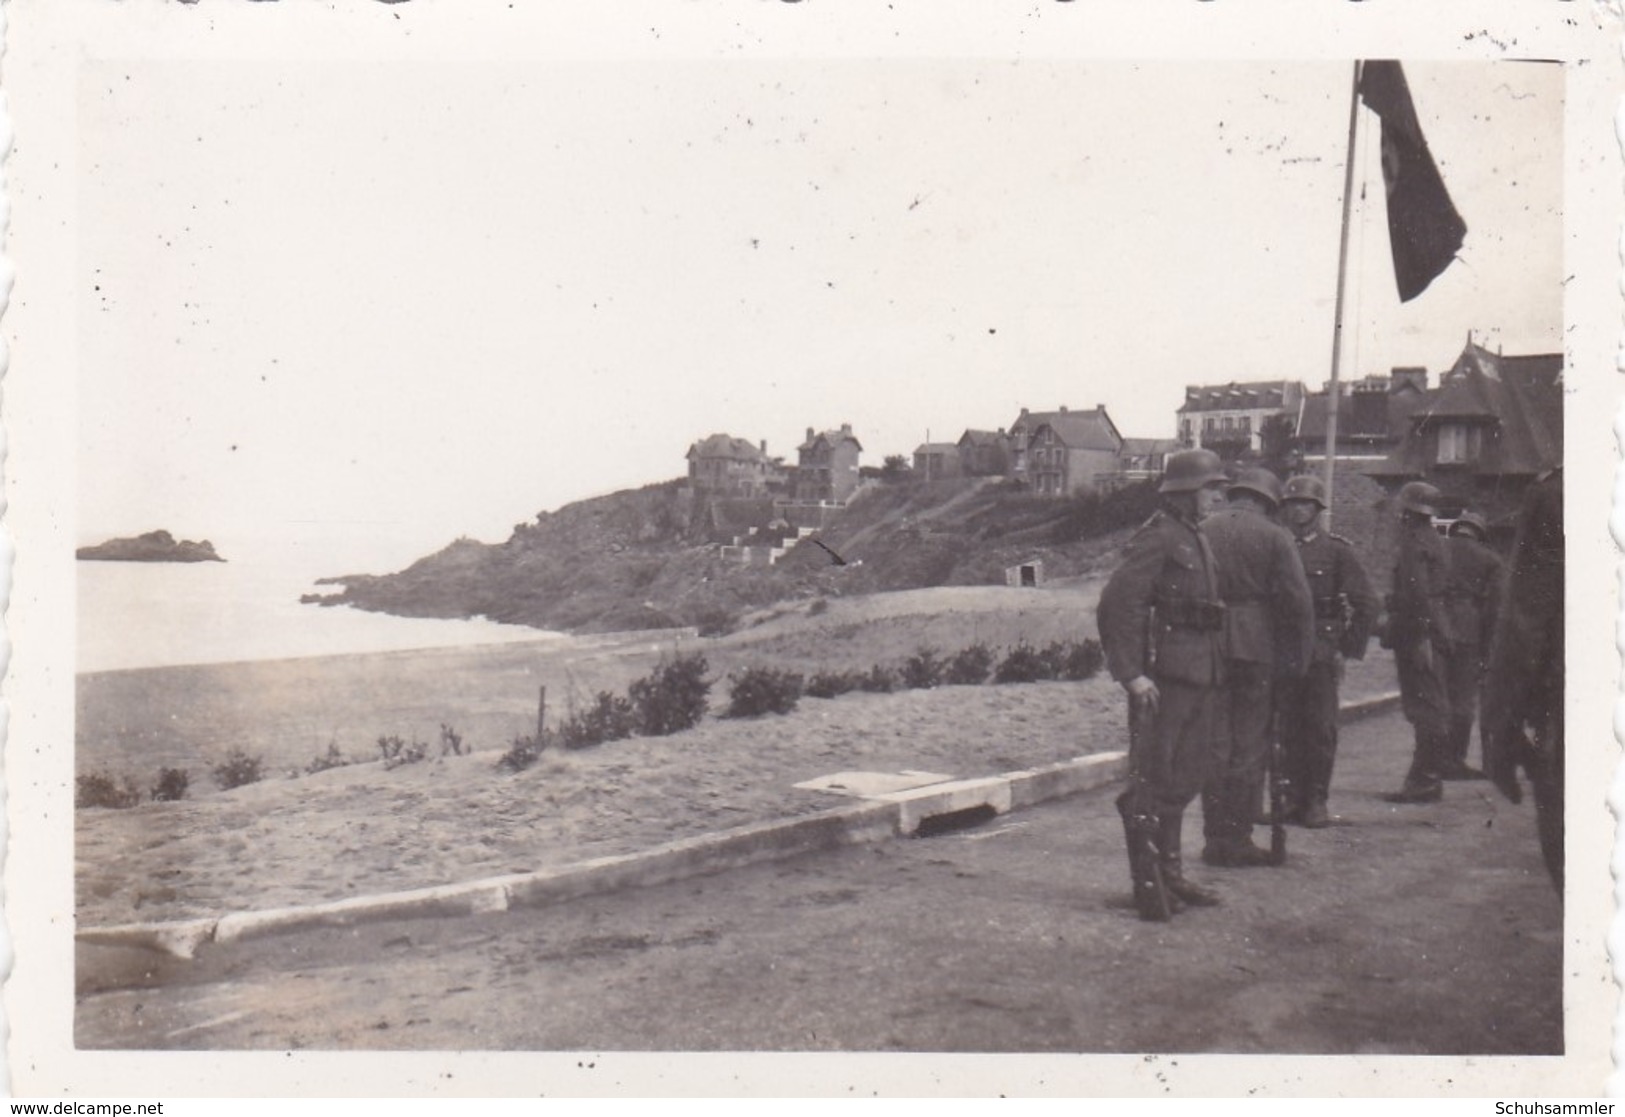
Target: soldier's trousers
{"type": "Point", "coordinates": [1240, 743]}
{"type": "Point", "coordinates": [1462, 678]}
{"type": "Point", "coordinates": [1308, 708]}
{"type": "Point", "coordinates": [1426, 703]}
{"type": "Point", "coordinates": [1168, 750]}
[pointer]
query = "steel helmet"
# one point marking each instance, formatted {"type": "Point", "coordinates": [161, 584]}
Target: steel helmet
{"type": "Point", "coordinates": [1305, 486]}
{"type": "Point", "coordinates": [1260, 482]}
{"type": "Point", "coordinates": [1474, 521]}
{"type": "Point", "coordinates": [1189, 470]}
{"type": "Point", "coordinates": [1420, 497]}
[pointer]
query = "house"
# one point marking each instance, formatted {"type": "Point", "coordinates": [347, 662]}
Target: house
{"type": "Point", "coordinates": [1142, 459]}
{"type": "Point", "coordinates": [827, 470]}
{"type": "Point", "coordinates": [729, 466]}
{"type": "Point", "coordinates": [1373, 414]}
{"type": "Point", "coordinates": [1494, 424]}
{"type": "Point", "coordinates": [1059, 453]}
{"type": "Point", "coordinates": [935, 461]}
{"type": "Point", "coordinates": [984, 453]}
{"type": "Point", "coordinates": [1229, 418]}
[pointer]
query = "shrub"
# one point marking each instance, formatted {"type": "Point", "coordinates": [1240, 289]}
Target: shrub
{"type": "Point", "coordinates": [100, 790]}
{"type": "Point", "coordinates": [672, 697]}
{"type": "Point", "coordinates": [332, 758]}
{"type": "Point", "coordinates": [238, 769]}
{"type": "Point", "coordinates": [397, 752]}
{"type": "Point", "coordinates": [879, 680]}
{"type": "Point", "coordinates": [762, 690]}
{"type": "Point", "coordinates": [1022, 664]}
{"type": "Point", "coordinates": [969, 666]}
{"type": "Point", "coordinates": [609, 718]}
{"type": "Point", "coordinates": [1080, 659]}
{"type": "Point", "coordinates": [819, 607]}
{"type": "Point", "coordinates": [827, 684]}
{"type": "Point", "coordinates": [521, 754]}
{"type": "Point", "coordinates": [922, 670]}
{"type": "Point", "coordinates": [171, 786]}
{"type": "Point", "coordinates": [451, 741]}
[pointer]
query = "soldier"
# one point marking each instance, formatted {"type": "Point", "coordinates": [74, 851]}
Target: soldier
{"type": "Point", "coordinates": [1268, 634]}
{"type": "Point", "coordinates": [1416, 630]}
{"type": "Point", "coordinates": [1160, 624]}
{"type": "Point", "coordinates": [1345, 610]}
{"type": "Point", "coordinates": [1471, 596]}
{"type": "Point", "coordinates": [1523, 691]}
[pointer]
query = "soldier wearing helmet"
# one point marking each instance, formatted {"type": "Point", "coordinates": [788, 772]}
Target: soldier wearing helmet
{"type": "Point", "coordinates": [1345, 609]}
{"type": "Point", "coordinates": [1417, 630]}
{"type": "Point", "coordinates": [1268, 635]}
{"type": "Point", "coordinates": [1471, 594]}
{"type": "Point", "coordinates": [1161, 624]}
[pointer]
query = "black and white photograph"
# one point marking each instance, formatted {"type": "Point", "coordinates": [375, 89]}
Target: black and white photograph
{"type": "Point", "coordinates": [561, 551]}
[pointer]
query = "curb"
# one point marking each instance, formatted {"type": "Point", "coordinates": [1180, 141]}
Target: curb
{"type": "Point", "coordinates": [876, 819]}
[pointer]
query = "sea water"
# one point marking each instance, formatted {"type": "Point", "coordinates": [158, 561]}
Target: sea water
{"type": "Point", "coordinates": [151, 614]}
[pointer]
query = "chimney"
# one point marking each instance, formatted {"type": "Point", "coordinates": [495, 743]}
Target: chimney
{"type": "Point", "coordinates": [1024, 411]}
{"type": "Point", "coordinates": [764, 447]}
{"type": "Point", "coordinates": [1063, 409]}
{"type": "Point", "coordinates": [846, 428]}
{"type": "Point", "coordinates": [809, 434]}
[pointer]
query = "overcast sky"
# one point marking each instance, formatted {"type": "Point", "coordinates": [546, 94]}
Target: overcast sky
{"type": "Point", "coordinates": [357, 312]}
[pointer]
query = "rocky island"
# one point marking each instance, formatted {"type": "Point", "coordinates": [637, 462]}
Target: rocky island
{"type": "Point", "coordinates": [152, 546]}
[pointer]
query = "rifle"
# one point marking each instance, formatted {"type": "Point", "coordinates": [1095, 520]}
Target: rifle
{"type": "Point", "coordinates": [1279, 785]}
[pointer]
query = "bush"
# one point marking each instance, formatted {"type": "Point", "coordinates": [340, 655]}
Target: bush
{"type": "Point", "coordinates": [451, 742]}
{"type": "Point", "coordinates": [397, 753]}
{"type": "Point", "coordinates": [819, 607]}
{"type": "Point", "coordinates": [1022, 664]}
{"type": "Point", "coordinates": [237, 770]}
{"type": "Point", "coordinates": [521, 754]}
{"type": "Point", "coordinates": [922, 670]}
{"type": "Point", "coordinates": [609, 718]}
{"type": "Point", "coordinates": [969, 666]}
{"type": "Point", "coordinates": [99, 790]}
{"type": "Point", "coordinates": [332, 758]}
{"type": "Point", "coordinates": [672, 697]}
{"type": "Point", "coordinates": [827, 684]}
{"type": "Point", "coordinates": [1079, 659]}
{"type": "Point", "coordinates": [762, 690]}
{"type": "Point", "coordinates": [171, 786]}
{"type": "Point", "coordinates": [879, 680]}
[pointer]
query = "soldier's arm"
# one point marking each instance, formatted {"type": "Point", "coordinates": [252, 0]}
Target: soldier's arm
{"type": "Point", "coordinates": [1124, 610]}
{"type": "Point", "coordinates": [1363, 604]}
{"type": "Point", "coordinates": [1294, 609]}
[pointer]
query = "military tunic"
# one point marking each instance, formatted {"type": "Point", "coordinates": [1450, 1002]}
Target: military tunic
{"type": "Point", "coordinates": [1419, 633]}
{"type": "Point", "coordinates": [1268, 633]}
{"type": "Point", "coordinates": [1471, 594]}
{"type": "Point", "coordinates": [1345, 610]}
{"type": "Point", "coordinates": [1159, 616]}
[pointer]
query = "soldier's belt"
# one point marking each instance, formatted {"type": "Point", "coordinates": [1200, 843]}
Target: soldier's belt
{"type": "Point", "coordinates": [1193, 613]}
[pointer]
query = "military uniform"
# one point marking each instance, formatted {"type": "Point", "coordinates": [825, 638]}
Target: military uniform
{"type": "Point", "coordinates": [1160, 619]}
{"type": "Point", "coordinates": [1345, 610]}
{"type": "Point", "coordinates": [1524, 685]}
{"type": "Point", "coordinates": [1419, 634]}
{"type": "Point", "coordinates": [1268, 632]}
{"type": "Point", "coordinates": [1471, 595]}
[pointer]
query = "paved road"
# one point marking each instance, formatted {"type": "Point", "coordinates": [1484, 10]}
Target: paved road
{"type": "Point", "coordinates": [1408, 930]}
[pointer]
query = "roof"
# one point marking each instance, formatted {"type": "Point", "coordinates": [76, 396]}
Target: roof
{"type": "Point", "coordinates": [937, 448]}
{"type": "Point", "coordinates": [1521, 396]}
{"type": "Point", "coordinates": [1400, 407]}
{"type": "Point", "coordinates": [1081, 430]}
{"type": "Point", "coordinates": [982, 438]}
{"type": "Point", "coordinates": [831, 438]}
{"type": "Point", "coordinates": [1249, 395]}
{"type": "Point", "coordinates": [1145, 447]}
{"type": "Point", "coordinates": [727, 446]}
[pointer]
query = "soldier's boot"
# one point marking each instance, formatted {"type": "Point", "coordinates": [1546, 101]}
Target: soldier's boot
{"type": "Point", "coordinates": [1454, 764]}
{"type": "Point", "coordinates": [1173, 873]}
{"type": "Point", "coordinates": [1422, 782]}
{"type": "Point", "coordinates": [1315, 815]}
{"type": "Point", "coordinates": [1151, 896]}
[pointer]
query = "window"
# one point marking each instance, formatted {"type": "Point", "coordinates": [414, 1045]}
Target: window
{"type": "Point", "coordinates": [1458, 443]}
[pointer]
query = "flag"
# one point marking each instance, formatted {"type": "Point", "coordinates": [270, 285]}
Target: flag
{"type": "Point", "coordinates": [1424, 229]}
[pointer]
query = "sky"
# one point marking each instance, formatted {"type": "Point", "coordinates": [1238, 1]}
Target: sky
{"type": "Point", "coordinates": [348, 314]}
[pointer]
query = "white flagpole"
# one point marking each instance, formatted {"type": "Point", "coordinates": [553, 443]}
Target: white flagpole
{"type": "Point", "coordinates": [1333, 394]}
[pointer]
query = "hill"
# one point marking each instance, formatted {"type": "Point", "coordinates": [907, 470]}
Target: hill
{"type": "Point", "coordinates": [650, 557]}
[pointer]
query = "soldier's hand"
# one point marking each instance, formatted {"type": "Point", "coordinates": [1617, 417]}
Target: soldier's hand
{"type": "Point", "coordinates": [1143, 693]}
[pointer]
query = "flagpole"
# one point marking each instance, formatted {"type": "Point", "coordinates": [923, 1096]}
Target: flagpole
{"type": "Point", "coordinates": [1333, 398]}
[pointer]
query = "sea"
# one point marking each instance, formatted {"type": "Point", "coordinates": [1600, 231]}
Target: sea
{"type": "Point", "coordinates": [152, 614]}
